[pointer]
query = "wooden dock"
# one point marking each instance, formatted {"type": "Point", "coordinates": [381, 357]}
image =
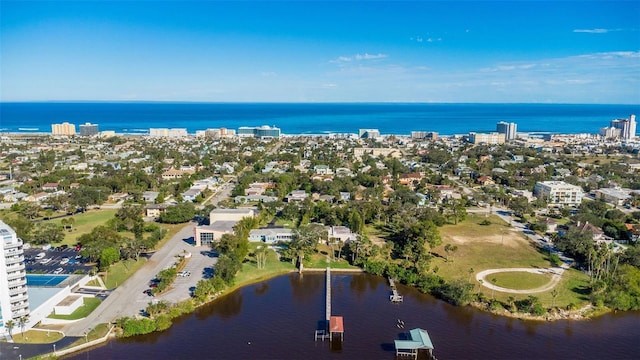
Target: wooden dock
{"type": "Point", "coordinates": [328, 297]}
{"type": "Point", "coordinates": [332, 324]}
{"type": "Point", "coordinates": [394, 297]}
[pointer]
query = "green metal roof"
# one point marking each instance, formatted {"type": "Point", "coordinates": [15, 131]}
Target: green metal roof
{"type": "Point", "coordinates": [422, 336]}
{"type": "Point", "coordinates": [419, 340]}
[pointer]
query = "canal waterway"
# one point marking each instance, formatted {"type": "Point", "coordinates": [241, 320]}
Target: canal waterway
{"type": "Point", "coordinates": [276, 319]}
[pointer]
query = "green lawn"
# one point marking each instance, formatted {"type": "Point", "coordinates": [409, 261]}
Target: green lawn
{"type": "Point", "coordinates": [84, 223]}
{"type": "Point", "coordinates": [519, 280]}
{"type": "Point", "coordinates": [36, 337]}
{"type": "Point", "coordinates": [321, 260]}
{"type": "Point", "coordinates": [90, 304]}
{"type": "Point", "coordinates": [250, 272]}
{"type": "Point", "coordinates": [121, 271]}
{"type": "Point", "coordinates": [96, 333]}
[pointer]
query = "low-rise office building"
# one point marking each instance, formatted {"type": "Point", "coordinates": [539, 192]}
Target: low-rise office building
{"type": "Point", "coordinates": [558, 192]}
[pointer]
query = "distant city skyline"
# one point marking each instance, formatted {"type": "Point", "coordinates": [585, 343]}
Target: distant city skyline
{"type": "Point", "coordinates": [419, 51]}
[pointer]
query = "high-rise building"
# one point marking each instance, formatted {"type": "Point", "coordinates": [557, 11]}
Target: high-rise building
{"type": "Point", "coordinates": [14, 300]}
{"type": "Point", "coordinates": [88, 129]}
{"type": "Point", "coordinates": [508, 129]}
{"type": "Point", "coordinates": [432, 135]}
{"type": "Point", "coordinates": [262, 132]}
{"type": "Point", "coordinates": [368, 133]}
{"type": "Point", "coordinates": [63, 129]}
{"type": "Point", "coordinates": [627, 127]}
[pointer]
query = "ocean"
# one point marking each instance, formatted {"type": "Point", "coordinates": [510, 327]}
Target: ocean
{"type": "Point", "coordinates": [313, 118]}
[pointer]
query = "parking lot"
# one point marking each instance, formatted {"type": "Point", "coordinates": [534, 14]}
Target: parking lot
{"type": "Point", "coordinates": [53, 260]}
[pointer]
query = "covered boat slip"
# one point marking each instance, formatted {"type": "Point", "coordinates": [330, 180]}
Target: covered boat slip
{"type": "Point", "coordinates": [336, 325]}
{"type": "Point", "coordinates": [419, 340]}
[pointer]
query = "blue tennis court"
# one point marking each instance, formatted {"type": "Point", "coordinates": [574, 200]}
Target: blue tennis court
{"type": "Point", "coordinates": [45, 280]}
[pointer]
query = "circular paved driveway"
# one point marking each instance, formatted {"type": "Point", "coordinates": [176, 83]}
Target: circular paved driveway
{"type": "Point", "coordinates": [555, 278]}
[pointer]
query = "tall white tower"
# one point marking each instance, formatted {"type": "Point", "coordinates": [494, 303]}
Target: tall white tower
{"type": "Point", "coordinates": [627, 127]}
{"type": "Point", "coordinates": [14, 300]}
{"type": "Point", "coordinates": [632, 126]}
{"type": "Point", "coordinates": [510, 130]}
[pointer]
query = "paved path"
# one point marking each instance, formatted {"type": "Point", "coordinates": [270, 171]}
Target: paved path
{"type": "Point", "coordinates": [555, 278]}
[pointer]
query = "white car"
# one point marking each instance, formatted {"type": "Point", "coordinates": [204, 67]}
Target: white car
{"type": "Point", "coordinates": [64, 261]}
{"type": "Point", "coordinates": [45, 261]}
{"type": "Point", "coordinates": [58, 270]}
{"type": "Point", "coordinates": [41, 256]}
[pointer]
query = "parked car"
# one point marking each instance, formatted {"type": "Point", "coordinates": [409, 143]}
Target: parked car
{"type": "Point", "coordinates": [45, 261]}
{"type": "Point", "coordinates": [41, 256]}
{"type": "Point", "coordinates": [64, 261]}
{"type": "Point", "coordinates": [58, 270]}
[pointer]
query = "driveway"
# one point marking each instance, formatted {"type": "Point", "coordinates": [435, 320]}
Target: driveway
{"type": "Point", "coordinates": [555, 278]}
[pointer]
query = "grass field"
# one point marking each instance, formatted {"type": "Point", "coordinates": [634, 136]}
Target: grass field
{"type": "Point", "coordinates": [519, 280]}
{"type": "Point", "coordinates": [36, 337]}
{"type": "Point", "coordinates": [84, 223]}
{"type": "Point", "coordinates": [321, 260]}
{"type": "Point", "coordinates": [482, 247]}
{"type": "Point", "coordinates": [250, 272]}
{"type": "Point", "coordinates": [121, 271]}
{"type": "Point", "coordinates": [494, 246]}
{"type": "Point", "coordinates": [83, 311]}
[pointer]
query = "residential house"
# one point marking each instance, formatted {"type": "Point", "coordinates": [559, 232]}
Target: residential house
{"type": "Point", "coordinates": [296, 195]}
{"type": "Point", "coordinates": [485, 180]}
{"type": "Point", "coordinates": [191, 194]}
{"type": "Point", "coordinates": [341, 233]}
{"type": "Point", "coordinates": [596, 233]}
{"type": "Point", "coordinates": [271, 235]}
{"type": "Point", "coordinates": [150, 196]}
{"type": "Point", "coordinates": [50, 187]}
{"type": "Point", "coordinates": [155, 210]}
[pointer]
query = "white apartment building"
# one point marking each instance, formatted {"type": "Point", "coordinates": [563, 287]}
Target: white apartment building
{"type": "Point", "coordinates": [14, 300]}
{"type": "Point", "coordinates": [169, 133]}
{"type": "Point", "coordinates": [627, 127]}
{"type": "Point", "coordinates": [558, 192]}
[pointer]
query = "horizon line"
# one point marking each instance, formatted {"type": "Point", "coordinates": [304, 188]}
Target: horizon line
{"type": "Point", "coordinates": [299, 102]}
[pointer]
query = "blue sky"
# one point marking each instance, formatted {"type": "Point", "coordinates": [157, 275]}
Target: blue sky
{"type": "Point", "coordinates": [308, 51]}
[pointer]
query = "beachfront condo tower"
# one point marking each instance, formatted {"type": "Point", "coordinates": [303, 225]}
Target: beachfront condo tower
{"type": "Point", "coordinates": [510, 130]}
{"type": "Point", "coordinates": [14, 300]}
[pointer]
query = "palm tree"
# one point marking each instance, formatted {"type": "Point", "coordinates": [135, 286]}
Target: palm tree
{"type": "Point", "coordinates": [22, 322]}
{"type": "Point", "coordinates": [554, 294]}
{"type": "Point", "coordinates": [495, 282]}
{"type": "Point", "coordinates": [10, 325]}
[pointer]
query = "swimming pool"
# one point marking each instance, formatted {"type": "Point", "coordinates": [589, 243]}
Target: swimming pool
{"type": "Point", "coordinates": [45, 280]}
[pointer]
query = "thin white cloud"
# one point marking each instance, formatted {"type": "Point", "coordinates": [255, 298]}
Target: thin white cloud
{"type": "Point", "coordinates": [595, 31]}
{"type": "Point", "coordinates": [358, 57]}
{"type": "Point", "coordinates": [268, 73]}
{"type": "Point", "coordinates": [421, 39]}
